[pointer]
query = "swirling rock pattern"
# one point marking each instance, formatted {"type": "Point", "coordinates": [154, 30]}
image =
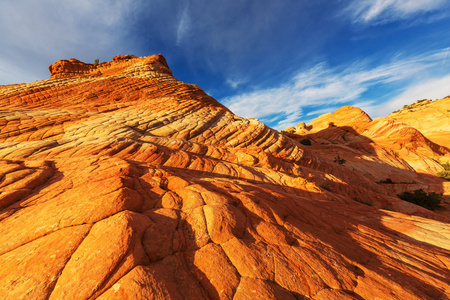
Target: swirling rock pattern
{"type": "Point", "coordinates": [383, 150]}
{"type": "Point", "coordinates": [117, 181]}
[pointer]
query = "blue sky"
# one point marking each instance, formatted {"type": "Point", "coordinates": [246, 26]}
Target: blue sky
{"type": "Point", "coordinates": [282, 62]}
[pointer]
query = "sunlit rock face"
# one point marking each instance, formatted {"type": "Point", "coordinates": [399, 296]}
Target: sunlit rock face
{"type": "Point", "coordinates": [432, 118]}
{"type": "Point", "coordinates": [384, 150]}
{"type": "Point", "coordinates": [117, 181]}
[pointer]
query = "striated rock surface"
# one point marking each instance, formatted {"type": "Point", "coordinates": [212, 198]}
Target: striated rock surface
{"type": "Point", "coordinates": [117, 181]}
{"type": "Point", "coordinates": [432, 118]}
{"type": "Point", "coordinates": [395, 155]}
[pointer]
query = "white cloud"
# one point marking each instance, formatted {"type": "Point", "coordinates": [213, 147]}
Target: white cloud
{"type": "Point", "coordinates": [184, 25]}
{"type": "Point", "coordinates": [445, 56]}
{"type": "Point", "coordinates": [235, 82]}
{"type": "Point", "coordinates": [388, 10]}
{"type": "Point", "coordinates": [11, 74]}
{"type": "Point", "coordinates": [49, 23]}
{"type": "Point", "coordinates": [40, 32]}
{"type": "Point", "coordinates": [365, 11]}
{"type": "Point", "coordinates": [434, 88]}
{"type": "Point", "coordinates": [323, 85]}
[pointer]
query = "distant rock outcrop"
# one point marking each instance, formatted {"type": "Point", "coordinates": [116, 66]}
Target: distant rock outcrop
{"type": "Point", "coordinates": [379, 149]}
{"type": "Point", "coordinates": [432, 118]}
{"type": "Point", "coordinates": [117, 181]}
{"type": "Point", "coordinates": [74, 68]}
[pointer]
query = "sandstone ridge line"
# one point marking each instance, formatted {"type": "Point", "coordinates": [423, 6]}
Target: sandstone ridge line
{"type": "Point", "coordinates": [118, 181]}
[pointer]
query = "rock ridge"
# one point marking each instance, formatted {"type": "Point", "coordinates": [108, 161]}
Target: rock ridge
{"type": "Point", "coordinates": [74, 68]}
{"type": "Point", "coordinates": [118, 181]}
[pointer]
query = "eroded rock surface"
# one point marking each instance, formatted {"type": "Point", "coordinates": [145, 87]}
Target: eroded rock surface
{"type": "Point", "coordinates": [117, 181]}
{"type": "Point", "coordinates": [432, 118]}
{"type": "Point", "coordinates": [394, 154]}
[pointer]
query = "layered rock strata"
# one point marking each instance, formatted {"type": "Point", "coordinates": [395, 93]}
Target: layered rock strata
{"type": "Point", "coordinates": [118, 181]}
{"type": "Point", "coordinates": [383, 150]}
{"type": "Point", "coordinates": [432, 118]}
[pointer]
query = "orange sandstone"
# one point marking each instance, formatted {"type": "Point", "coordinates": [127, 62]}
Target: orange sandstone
{"type": "Point", "coordinates": [117, 181]}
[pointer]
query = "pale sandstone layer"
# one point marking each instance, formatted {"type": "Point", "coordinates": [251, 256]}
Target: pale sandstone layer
{"type": "Point", "coordinates": [117, 181]}
{"type": "Point", "coordinates": [432, 118]}
{"type": "Point", "coordinates": [381, 149]}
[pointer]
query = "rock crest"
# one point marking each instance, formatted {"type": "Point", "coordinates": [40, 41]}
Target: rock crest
{"type": "Point", "coordinates": [76, 69]}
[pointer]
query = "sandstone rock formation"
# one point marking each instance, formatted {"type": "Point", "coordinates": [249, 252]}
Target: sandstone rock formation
{"type": "Point", "coordinates": [117, 181]}
{"type": "Point", "coordinates": [432, 118]}
{"type": "Point", "coordinates": [381, 149]}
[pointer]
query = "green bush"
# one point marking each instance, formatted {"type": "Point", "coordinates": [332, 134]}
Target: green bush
{"type": "Point", "coordinates": [446, 166]}
{"type": "Point", "coordinates": [421, 198]}
{"type": "Point", "coordinates": [445, 174]}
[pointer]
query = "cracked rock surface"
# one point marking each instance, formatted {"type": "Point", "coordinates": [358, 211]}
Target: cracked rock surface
{"type": "Point", "coordinates": [117, 181]}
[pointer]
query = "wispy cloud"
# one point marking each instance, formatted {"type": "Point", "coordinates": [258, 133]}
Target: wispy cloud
{"type": "Point", "coordinates": [245, 37]}
{"type": "Point", "coordinates": [11, 74]}
{"type": "Point", "coordinates": [235, 82]}
{"type": "Point", "coordinates": [184, 25]}
{"type": "Point", "coordinates": [445, 56]}
{"type": "Point", "coordinates": [33, 32]}
{"type": "Point", "coordinates": [434, 88]}
{"type": "Point", "coordinates": [328, 86]}
{"type": "Point", "coordinates": [380, 11]}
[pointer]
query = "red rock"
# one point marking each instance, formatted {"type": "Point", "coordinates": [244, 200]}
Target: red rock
{"type": "Point", "coordinates": [117, 181]}
{"type": "Point", "coordinates": [31, 271]}
{"type": "Point", "coordinates": [250, 288]}
{"type": "Point", "coordinates": [167, 279]}
{"type": "Point", "coordinates": [224, 222]}
{"type": "Point", "coordinates": [382, 149]}
{"type": "Point", "coordinates": [215, 272]}
{"type": "Point", "coordinates": [116, 242]}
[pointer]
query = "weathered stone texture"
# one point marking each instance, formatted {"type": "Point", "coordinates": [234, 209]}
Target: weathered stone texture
{"type": "Point", "coordinates": [117, 181]}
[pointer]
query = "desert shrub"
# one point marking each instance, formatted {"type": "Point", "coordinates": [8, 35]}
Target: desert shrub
{"type": "Point", "coordinates": [446, 166]}
{"type": "Point", "coordinates": [419, 197]}
{"type": "Point", "coordinates": [339, 160]}
{"type": "Point", "coordinates": [96, 61]}
{"type": "Point", "coordinates": [288, 131]}
{"type": "Point", "coordinates": [445, 174]}
{"type": "Point", "coordinates": [306, 142]}
{"type": "Point", "coordinates": [388, 181]}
